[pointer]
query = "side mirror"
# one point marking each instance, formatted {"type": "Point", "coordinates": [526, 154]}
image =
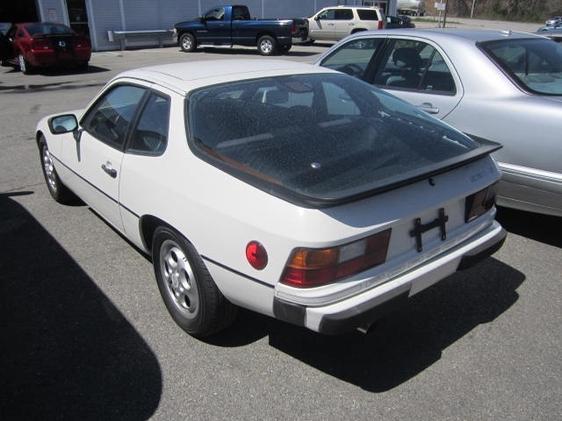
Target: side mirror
{"type": "Point", "coordinates": [63, 124]}
{"type": "Point", "coordinates": [316, 17]}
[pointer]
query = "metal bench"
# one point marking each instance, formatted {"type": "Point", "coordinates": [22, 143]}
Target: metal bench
{"type": "Point", "coordinates": [121, 36]}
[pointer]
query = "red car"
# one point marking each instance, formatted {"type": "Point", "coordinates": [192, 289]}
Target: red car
{"type": "Point", "coordinates": [44, 44]}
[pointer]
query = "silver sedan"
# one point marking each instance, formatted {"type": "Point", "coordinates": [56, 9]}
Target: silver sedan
{"type": "Point", "coordinates": [493, 85]}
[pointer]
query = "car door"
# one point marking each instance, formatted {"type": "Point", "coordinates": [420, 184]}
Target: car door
{"type": "Point", "coordinates": [94, 158]}
{"type": "Point", "coordinates": [323, 26]}
{"type": "Point", "coordinates": [217, 27]}
{"type": "Point", "coordinates": [142, 170]}
{"type": "Point", "coordinates": [344, 23]}
{"type": "Point", "coordinates": [420, 73]}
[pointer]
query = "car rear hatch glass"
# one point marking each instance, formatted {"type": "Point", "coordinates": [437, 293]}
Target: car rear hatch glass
{"type": "Point", "coordinates": [321, 139]}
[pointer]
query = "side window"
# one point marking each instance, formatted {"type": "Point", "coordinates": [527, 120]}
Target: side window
{"type": "Point", "coordinates": [344, 14]}
{"type": "Point", "coordinates": [338, 101]}
{"type": "Point", "coordinates": [354, 57]}
{"type": "Point", "coordinates": [415, 65]}
{"type": "Point", "coordinates": [240, 13]}
{"type": "Point", "coordinates": [215, 14]}
{"type": "Point", "coordinates": [150, 136]}
{"type": "Point", "coordinates": [366, 14]}
{"type": "Point", "coordinates": [109, 119]}
{"type": "Point", "coordinates": [329, 14]}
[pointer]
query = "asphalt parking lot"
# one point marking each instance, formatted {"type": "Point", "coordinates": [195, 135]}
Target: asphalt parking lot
{"type": "Point", "coordinates": [85, 334]}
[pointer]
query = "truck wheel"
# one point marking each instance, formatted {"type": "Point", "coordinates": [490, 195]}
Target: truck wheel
{"type": "Point", "coordinates": [188, 43]}
{"type": "Point", "coordinates": [267, 45]}
{"type": "Point", "coordinates": [189, 293]}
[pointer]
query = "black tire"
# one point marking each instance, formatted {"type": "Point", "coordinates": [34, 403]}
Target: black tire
{"type": "Point", "coordinates": [83, 66]}
{"type": "Point", "coordinates": [267, 45]}
{"type": "Point", "coordinates": [57, 189]}
{"type": "Point", "coordinates": [188, 290]}
{"type": "Point", "coordinates": [187, 42]}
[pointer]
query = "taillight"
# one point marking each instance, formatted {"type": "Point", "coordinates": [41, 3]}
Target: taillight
{"type": "Point", "coordinates": [381, 24]}
{"type": "Point", "coordinates": [83, 43]}
{"type": "Point", "coordinates": [293, 28]}
{"type": "Point", "coordinates": [41, 44]}
{"type": "Point", "coordinates": [308, 268]}
{"type": "Point", "coordinates": [479, 203]}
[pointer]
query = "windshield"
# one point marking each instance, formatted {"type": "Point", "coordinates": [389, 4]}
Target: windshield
{"type": "Point", "coordinates": [47, 29]}
{"type": "Point", "coordinates": [535, 64]}
{"type": "Point", "coordinates": [318, 136]}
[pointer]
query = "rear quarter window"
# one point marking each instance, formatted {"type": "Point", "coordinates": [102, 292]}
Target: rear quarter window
{"type": "Point", "coordinates": [534, 64]}
{"type": "Point", "coordinates": [367, 14]}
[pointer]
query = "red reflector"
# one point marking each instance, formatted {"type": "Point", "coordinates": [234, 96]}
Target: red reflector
{"type": "Point", "coordinates": [381, 24]}
{"type": "Point", "coordinates": [256, 255]}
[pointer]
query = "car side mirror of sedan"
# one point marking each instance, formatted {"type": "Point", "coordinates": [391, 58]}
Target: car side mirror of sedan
{"type": "Point", "coordinates": [316, 17]}
{"type": "Point", "coordinates": [61, 124]}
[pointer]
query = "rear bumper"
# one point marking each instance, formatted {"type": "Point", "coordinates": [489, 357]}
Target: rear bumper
{"type": "Point", "coordinates": [51, 58]}
{"type": "Point", "coordinates": [363, 309]}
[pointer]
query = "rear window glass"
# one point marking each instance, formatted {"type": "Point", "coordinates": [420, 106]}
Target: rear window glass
{"type": "Point", "coordinates": [367, 14]}
{"type": "Point", "coordinates": [535, 64]}
{"type": "Point", "coordinates": [47, 29]}
{"type": "Point", "coordinates": [319, 137]}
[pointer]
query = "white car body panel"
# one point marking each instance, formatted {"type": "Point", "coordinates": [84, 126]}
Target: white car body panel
{"type": "Point", "coordinates": [219, 214]}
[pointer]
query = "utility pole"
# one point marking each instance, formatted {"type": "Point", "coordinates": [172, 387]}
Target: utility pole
{"type": "Point", "coordinates": [472, 9]}
{"type": "Point", "coordinates": [445, 14]}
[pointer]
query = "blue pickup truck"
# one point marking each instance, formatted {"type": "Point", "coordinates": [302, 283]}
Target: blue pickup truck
{"type": "Point", "coordinates": [230, 25]}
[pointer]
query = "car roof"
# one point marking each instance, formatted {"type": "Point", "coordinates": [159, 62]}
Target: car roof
{"type": "Point", "coordinates": [470, 36]}
{"type": "Point", "coordinates": [187, 76]}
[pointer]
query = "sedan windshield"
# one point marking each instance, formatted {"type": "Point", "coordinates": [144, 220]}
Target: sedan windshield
{"type": "Point", "coordinates": [535, 64]}
{"type": "Point", "coordinates": [323, 137]}
{"type": "Point", "coordinates": [47, 29]}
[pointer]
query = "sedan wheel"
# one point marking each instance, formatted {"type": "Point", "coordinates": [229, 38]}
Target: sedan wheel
{"type": "Point", "coordinates": [178, 274]}
{"type": "Point", "coordinates": [187, 288]}
{"type": "Point", "coordinates": [24, 66]}
{"type": "Point", "coordinates": [56, 188]}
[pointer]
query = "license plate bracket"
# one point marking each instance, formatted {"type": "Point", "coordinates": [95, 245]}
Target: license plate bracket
{"type": "Point", "coordinates": [420, 228]}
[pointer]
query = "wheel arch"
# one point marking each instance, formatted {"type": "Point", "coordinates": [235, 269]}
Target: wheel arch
{"type": "Point", "coordinates": [358, 30]}
{"type": "Point", "coordinates": [147, 227]}
{"type": "Point", "coordinates": [262, 33]}
{"type": "Point", "coordinates": [183, 32]}
{"type": "Point", "coordinates": [39, 138]}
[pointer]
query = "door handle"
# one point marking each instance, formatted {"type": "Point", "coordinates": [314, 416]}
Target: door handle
{"type": "Point", "coordinates": [428, 108]}
{"type": "Point", "coordinates": [108, 168]}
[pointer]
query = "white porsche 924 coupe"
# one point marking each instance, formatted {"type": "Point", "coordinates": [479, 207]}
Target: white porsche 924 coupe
{"type": "Point", "coordinates": [288, 189]}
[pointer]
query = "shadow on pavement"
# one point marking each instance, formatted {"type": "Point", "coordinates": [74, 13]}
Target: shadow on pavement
{"type": "Point", "coordinates": [252, 52]}
{"type": "Point", "coordinates": [542, 228]}
{"type": "Point", "coordinates": [403, 343]}
{"type": "Point", "coordinates": [63, 71]}
{"type": "Point", "coordinates": [66, 351]}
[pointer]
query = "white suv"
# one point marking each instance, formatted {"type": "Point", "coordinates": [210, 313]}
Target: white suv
{"type": "Point", "coordinates": [335, 23]}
